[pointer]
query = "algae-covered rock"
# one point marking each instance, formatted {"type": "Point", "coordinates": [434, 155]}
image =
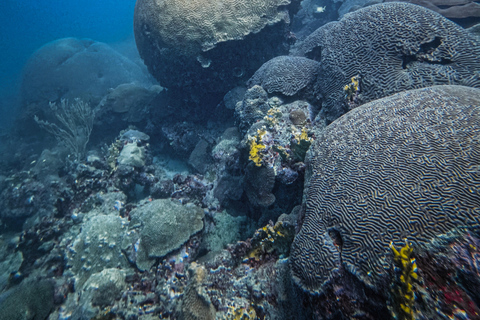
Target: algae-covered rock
{"type": "Point", "coordinates": [163, 225]}
{"type": "Point", "coordinates": [132, 155]}
{"type": "Point", "coordinates": [98, 293]}
{"type": "Point", "coordinates": [9, 264]}
{"type": "Point", "coordinates": [31, 300]}
{"type": "Point", "coordinates": [97, 247]}
{"type": "Point", "coordinates": [105, 286]}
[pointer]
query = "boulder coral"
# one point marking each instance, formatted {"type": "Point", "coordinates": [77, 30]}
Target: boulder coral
{"type": "Point", "coordinates": [405, 166]}
{"type": "Point", "coordinates": [209, 46]}
{"type": "Point", "coordinates": [392, 47]}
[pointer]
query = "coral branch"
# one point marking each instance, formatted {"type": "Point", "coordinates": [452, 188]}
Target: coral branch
{"type": "Point", "coordinates": [76, 123]}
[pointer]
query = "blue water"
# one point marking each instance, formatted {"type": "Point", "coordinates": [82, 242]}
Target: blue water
{"type": "Point", "coordinates": [26, 25]}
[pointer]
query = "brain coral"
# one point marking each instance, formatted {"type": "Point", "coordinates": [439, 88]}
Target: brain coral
{"type": "Point", "coordinates": [392, 47]}
{"type": "Point", "coordinates": [405, 166]}
{"type": "Point", "coordinates": [209, 45]}
{"type": "Point", "coordinates": [450, 8]}
{"type": "Point", "coordinates": [196, 26]}
{"type": "Point", "coordinates": [285, 74]}
{"type": "Point", "coordinates": [164, 225]}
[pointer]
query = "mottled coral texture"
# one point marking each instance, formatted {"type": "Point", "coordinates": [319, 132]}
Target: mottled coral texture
{"type": "Point", "coordinates": [406, 166]}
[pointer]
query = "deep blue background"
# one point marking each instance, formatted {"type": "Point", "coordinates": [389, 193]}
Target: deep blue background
{"type": "Point", "coordinates": [26, 25]}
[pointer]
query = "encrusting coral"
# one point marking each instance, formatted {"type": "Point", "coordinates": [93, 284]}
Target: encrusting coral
{"type": "Point", "coordinates": [240, 313]}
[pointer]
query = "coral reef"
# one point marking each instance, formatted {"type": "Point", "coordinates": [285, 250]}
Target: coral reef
{"type": "Point", "coordinates": [160, 226]}
{"type": "Point", "coordinates": [393, 47]}
{"type": "Point", "coordinates": [277, 138]}
{"type": "Point", "coordinates": [382, 173]}
{"type": "Point", "coordinates": [191, 202]}
{"type": "Point", "coordinates": [193, 48]}
{"type": "Point", "coordinates": [403, 295]}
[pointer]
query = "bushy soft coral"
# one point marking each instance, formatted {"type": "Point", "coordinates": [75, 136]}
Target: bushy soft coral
{"type": "Point", "coordinates": [403, 287]}
{"type": "Point", "coordinates": [256, 147]}
{"type": "Point", "coordinates": [300, 145]}
{"type": "Point", "coordinates": [271, 238]}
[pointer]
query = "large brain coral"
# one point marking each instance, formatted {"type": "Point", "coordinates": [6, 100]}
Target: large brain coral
{"type": "Point", "coordinates": [405, 166]}
{"type": "Point", "coordinates": [195, 26]}
{"type": "Point", "coordinates": [450, 8]}
{"type": "Point", "coordinates": [209, 45]}
{"type": "Point", "coordinates": [392, 47]}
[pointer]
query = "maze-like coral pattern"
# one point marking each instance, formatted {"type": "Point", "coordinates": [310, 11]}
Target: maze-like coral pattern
{"type": "Point", "coordinates": [406, 166]}
{"type": "Point", "coordinates": [393, 47]}
{"type": "Point", "coordinates": [286, 75]}
{"type": "Point", "coordinates": [195, 26]}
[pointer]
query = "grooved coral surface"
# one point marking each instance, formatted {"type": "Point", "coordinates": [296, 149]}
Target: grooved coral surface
{"type": "Point", "coordinates": [259, 183]}
{"type": "Point", "coordinates": [393, 47]}
{"type": "Point", "coordinates": [450, 8]}
{"type": "Point", "coordinates": [406, 166]}
{"type": "Point", "coordinates": [164, 225]}
{"type": "Point", "coordinates": [201, 49]}
{"type": "Point", "coordinates": [195, 26]}
{"type": "Point", "coordinates": [196, 304]}
{"type": "Point", "coordinates": [286, 75]}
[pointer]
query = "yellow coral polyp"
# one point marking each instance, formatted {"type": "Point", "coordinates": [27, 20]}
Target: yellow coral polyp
{"type": "Point", "coordinates": [256, 147]}
{"type": "Point", "coordinates": [404, 291]}
{"type": "Point", "coordinates": [303, 135]}
{"type": "Point", "coordinates": [355, 83]}
{"type": "Point", "coordinates": [352, 88]}
{"type": "Point", "coordinates": [268, 239]}
{"type": "Point", "coordinates": [241, 313]}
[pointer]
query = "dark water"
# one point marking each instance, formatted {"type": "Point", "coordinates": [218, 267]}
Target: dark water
{"type": "Point", "coordinates": [27, 25]}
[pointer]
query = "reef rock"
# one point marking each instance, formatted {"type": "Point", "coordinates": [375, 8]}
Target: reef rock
{"type": "Point", "coordinates": [132, 155]}
{"type": "Point", "coordinates": [29, 300]}
{"type": "Point", "coordinates": [403, 167]}
{"type": "Point", "coordinates": [97, 247]}
{"type": "Point", "coordinates": [99, 292]}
